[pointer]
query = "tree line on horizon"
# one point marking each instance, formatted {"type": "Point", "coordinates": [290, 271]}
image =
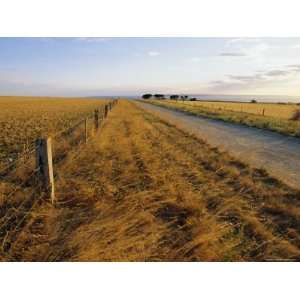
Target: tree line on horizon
{"type": "Point", "coordinates": [171, 97]}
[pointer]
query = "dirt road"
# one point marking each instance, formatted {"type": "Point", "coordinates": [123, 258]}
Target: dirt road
{"type": "Point", "coordinates": [278, 154]}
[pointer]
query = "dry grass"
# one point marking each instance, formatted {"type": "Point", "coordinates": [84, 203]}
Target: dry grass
{"type": "Point", "coordinates": [276, 117]}
{"type": "Point", "coordinates": [143, 190]}
{"type": "Point", "coordinates": [296, 115]}
{"type": "Point", "coordinates": [282, 111]}
{"type": "Point", "coordinates": [23, 119]}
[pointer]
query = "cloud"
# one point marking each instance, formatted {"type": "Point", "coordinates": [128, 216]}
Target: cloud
{"type": "Point", "coordinates": [254, 48]}
{"type": "Point", "coordinates": [197, 59]}
{"type": "Point", "coordinates": [238, 83]}
{"type": "Point", "coordinates": [92, 39]}
{"type": "Point", "coordinates": [295, 68]}
{"type": "Point", "coordinates": [257, 80]}
{"type": "Point", "coordinates": [246, 79]}
{"type": "Point", "coordinates": [153, 53]}
{"type": "Point", "coordinates": [232, 54]}
{"type": "Point", "coordinates": [276, 73]}
{"type": "Point", "coordinates": [242, 41]}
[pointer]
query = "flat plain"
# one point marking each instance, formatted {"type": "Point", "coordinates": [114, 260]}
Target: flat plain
{"type": "Point", "coordinates": [144, 190]}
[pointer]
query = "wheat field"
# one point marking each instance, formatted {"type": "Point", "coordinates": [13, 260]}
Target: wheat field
{"type": "Point", "coordinates": [23, 119]}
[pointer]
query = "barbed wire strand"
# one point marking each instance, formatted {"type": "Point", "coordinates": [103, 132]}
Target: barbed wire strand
{"type": "Point", "coordinates": [16, 227]}
{"type": "Point", "coordinates": [23, 184]}
{"type": "Point", "coordinates": [32, 148]}
{"type": "Point", "coordinates": [34, 173]}
{"type": "Point", "coordinates": [20, 160]}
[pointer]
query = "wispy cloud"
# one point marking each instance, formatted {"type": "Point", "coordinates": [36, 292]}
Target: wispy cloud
{"type": "Point", "coordinates": [252, 47]}
{"type": "Point", "coordinates": [295, 68]}
{"type": "Point", "coordinates": [256, 80]}
{"type": "Point", "coordinates": [197, 59]}
{"type": "Point", "coordinates": [92, 39]}
{"type": "Point", "coordinates": [235, 41]}
{"type": "Point", "coordinates": [153, 53]}
{"type": "Point", "coordinates": [277, 73]}
{"type": "Point", "coordinates": [233, 54]}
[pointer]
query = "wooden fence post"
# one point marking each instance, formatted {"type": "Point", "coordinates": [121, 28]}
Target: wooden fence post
{"type": "Point", "coordinates": [45, 165]}
{"type": "Point", "coordinates": [96, 119]}
{"type": "Point", "coordinates": [263, 112]}
{"type": "Point", "coordinates": [105, 110]}
{"type": "Point", "coordinates": [86, 130]}
{"type": "Point", "coordinates": [102, 114]}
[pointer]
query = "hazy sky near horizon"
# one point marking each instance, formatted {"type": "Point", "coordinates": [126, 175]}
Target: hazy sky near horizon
{"type": "Point", "coordinates": [132, 66]}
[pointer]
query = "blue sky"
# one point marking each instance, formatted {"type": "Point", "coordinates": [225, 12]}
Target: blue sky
{"type": "Point", "coordinates": [132, 66]}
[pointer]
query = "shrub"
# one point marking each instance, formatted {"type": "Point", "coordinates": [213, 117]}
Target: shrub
{"type": "Point", "coordinates": [296, 115]}
{"type": "Point", "coordinates": [159, 96]}
{"type": "Point", "coordinates": [147, 96]}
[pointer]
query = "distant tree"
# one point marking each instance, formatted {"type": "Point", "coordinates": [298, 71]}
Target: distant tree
{"type": "Point", "coordinates": [174, 97]}
{"type": "Point", "coordinates": [147, 96]}
{"type": "Point", "coordinates": [193, 99]}
{"type": "Point", "coordinates": [184, 97]}
{"type": "Point", "coordinates": [159, 96]}
{"type": "Point", "coordinates": [253, 101]}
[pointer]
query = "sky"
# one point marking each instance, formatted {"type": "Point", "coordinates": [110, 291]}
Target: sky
{"type": "Point", "coordinates": [133, 66]}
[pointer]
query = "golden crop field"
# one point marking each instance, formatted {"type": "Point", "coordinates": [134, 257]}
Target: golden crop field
{"type": "Point", "coordinates": [284, 111]}
{"type": "Point", "coordinates": [23, 119]}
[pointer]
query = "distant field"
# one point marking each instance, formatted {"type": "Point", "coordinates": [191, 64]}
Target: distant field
{"type": "Point", "coordinates": [23, 119]}
{"type": "Point", "coordinates": [274, 117]}
{"type": "Point", "coordinates": [284, 111]}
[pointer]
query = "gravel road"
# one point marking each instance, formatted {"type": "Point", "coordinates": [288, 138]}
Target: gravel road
{"type": "Point", "coordinates": [278, 154]}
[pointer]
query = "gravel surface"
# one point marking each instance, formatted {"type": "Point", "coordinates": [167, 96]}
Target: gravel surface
{"type": "Point", "coordinates": [278, 154]}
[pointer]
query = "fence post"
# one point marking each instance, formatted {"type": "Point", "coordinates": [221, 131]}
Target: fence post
{"type": "Point", "coordinates": [45, 165]}
{"type": "Point", "coordinates": [105, 110]}
{"type": "Point", "coordinates": [102, 114]}
{"type": "Point", "coordinates": [85, 130]}
{"type": "Point", "coordinates": [263, 112]}
{"type": "Point", "coordinates": [96, 119]}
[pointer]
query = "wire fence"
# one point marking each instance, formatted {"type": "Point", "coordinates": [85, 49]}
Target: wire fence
{"type": "Point", "coordinates": [26, 180]}
{"type": "Point", "coordinates": [73, 135]}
